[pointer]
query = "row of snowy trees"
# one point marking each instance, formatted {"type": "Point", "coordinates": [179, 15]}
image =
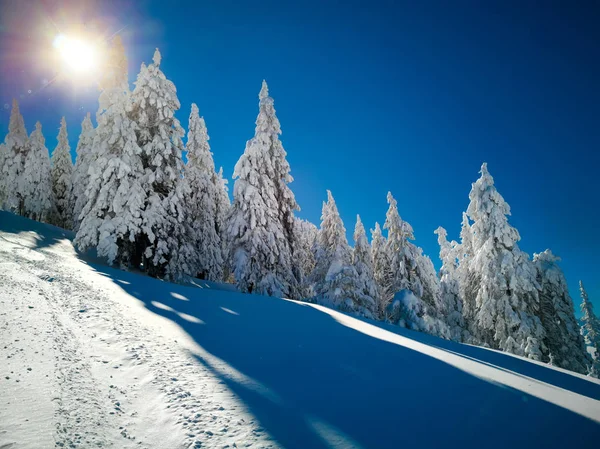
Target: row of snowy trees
{"type": "Point", "coordinates": [131, 198]}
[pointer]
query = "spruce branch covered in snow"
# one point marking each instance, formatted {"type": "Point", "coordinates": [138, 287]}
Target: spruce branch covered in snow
{"type": "Point", "coordinates": [62, 175]}
{"type": "Point", "coordinates": [260, 225]}
{"type": "Point", "coordinates": [84, 153]}
{"type": "Point", "coordinates": [563, 339]}
{"type": "Point", "coordinates": [14, 154]}
{"type": "Point", "coordinates": [36, 181]}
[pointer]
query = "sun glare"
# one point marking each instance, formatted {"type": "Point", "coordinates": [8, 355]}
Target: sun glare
{"type": "Point", "coordinates": [77, 55]}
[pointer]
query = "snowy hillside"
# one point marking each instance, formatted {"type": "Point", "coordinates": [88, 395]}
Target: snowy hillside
{"type": "Point", "coordinates": [97, 357]}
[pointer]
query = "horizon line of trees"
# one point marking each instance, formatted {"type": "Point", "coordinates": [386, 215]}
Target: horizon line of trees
{"type": "Point", "coordinates": [130, 197]}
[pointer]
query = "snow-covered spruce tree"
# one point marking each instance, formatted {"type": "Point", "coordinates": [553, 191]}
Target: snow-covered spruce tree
{"type": "Point", "coordinates": [15, 151]}
{"type": "Point", "coordinates": [164, 219]}
{"type": "Point", "coordinates": [62, 175]}
{"type": "Point", "coordinates": [410, 269]}
{"type": "Point", "coordinates": [450, 301]}
{"type": "Point", "coordinates": [260, 235]}
{"type": "Point", "coordinates": [82, 165]}
{"type": "Point", "coordinates": [381, 270]}
{"type": "Point", "coordinates": [502, 313]}
{"type": "Point", "coordinates": [398, 233]}
{"type": "Point", "coordinates": [305, 237]}
{"type": "Point", "coordinates": [590, 329]}
{"type": "Point", "coordinates": [267, 134]}
{"type": "Point", "coordinates": [222, 211]}
{"type": "Point", "coordinates": [335, 278]}
{"type": "Point", "coordinates": [112, 215]}
{"type": "Point", "coordinates": [202, 199]}
{"type": "Point", "coordinates": [563, 340]}
{"type": "Point", "coordinates": [36, 182]}
{"type": "Point", "coordinates": [362, 260]}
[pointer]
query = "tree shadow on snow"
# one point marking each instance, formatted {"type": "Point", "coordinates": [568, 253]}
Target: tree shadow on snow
{"type": "Point", "coordinates": [43, 235]}
{"type": "Point", "coordinates": [323, 384]}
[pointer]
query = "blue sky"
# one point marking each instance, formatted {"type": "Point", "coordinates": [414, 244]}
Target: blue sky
{"type": "Point", "coordinates": [372, 96]}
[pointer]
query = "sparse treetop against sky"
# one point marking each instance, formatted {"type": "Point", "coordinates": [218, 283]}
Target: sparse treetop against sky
{"type": "Point", "coordinates": [372, 96]}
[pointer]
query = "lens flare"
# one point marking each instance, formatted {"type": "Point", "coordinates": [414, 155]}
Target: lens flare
{"type": "Point", "coordinates": [77, 55]}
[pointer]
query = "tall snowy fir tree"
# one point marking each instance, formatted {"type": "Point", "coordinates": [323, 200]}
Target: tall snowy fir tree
{"type": "Point", "coordinates": [259, 233]}
{"type": "Point", "coordinates": [112, 214]}
{"type": "Point", "coordinates": [267, 134]}
{"type": "Point", "coordinates": [14, 151]}
{"type": "Point", "coordinates": [36, 181]}
{"type": "Point", "coordinates": [62, 175]}
{"type": "Point", "coordinates": [202, 184]}
{"type": "Point", "coordinates": [381, 270]}
{"type": "Point", "coordinates": [590, 330]}
{"type": "Point", "coordinates": [563, 340]}
{"type": "Point", "coordinates": [335, 278]}
{"type": "Point", "coordinates": [80, 171]}
{"type": "Point", "coordinates": [503, 308]}
{"type": "Point", "coordinates": [164, 219]}
{"type": "Point", "coordinates": [362, 260]}
{"type": "Point", "coordinates": [450, 300]}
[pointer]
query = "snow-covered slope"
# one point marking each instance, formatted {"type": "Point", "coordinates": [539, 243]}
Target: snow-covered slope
{"type": "Point", "coordinates": [97, 357]}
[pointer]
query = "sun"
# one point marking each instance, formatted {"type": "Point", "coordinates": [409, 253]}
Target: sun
{"type": "Point", "coordinates": [77, 55]}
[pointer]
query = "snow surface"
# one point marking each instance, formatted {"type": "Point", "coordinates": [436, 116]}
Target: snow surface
{"type": "Point", "coordinates": [97, 357]}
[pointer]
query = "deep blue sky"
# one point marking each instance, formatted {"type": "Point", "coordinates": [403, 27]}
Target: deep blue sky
{"type": "Point", "coordinates": [372, 96]}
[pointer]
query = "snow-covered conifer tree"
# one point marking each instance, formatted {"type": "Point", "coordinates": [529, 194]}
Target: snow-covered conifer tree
{"type": "Point", "coordinates": [590, 330]}
{"type": "Point", "coordinates": [153, 106]}
{"type": "Point", "coordinates": [260, 233]}
{"type": "Point", "coordinates": [450, 301]}
{"type": "Point", "coordinates": [36, 181]}
{"type": "Point", "coordinates": [410, 269]}
{"type": "Point", "coordinates": [335, 277]}
{"type": "Point", "coordinates": [15, 151]}
{"type": "Point", "coordinates": [200, 177]}
{"type": "Point", "coordinates": [112, 215]}
{"type": "Point", "coordinates": [563, 339]}
{"type": "Point", "coordinates": [503, 310]}
{"type": "Point", "coordinates": [222, 211]}
{"type": "Point", "coordinates": [62, 175]}
{"type": "Point", "coordinates": [398, 234]}
{"type": "Point", "coordinates": [82, 165]}
{"type": "Point", "coordinates": [362, 260]}
{"type": "Point", "coordinates": [305, 235]}
{"type": "Point", "coordinates": [381, 270]}
{"type": "Point", "coordinates": [267, 134]}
